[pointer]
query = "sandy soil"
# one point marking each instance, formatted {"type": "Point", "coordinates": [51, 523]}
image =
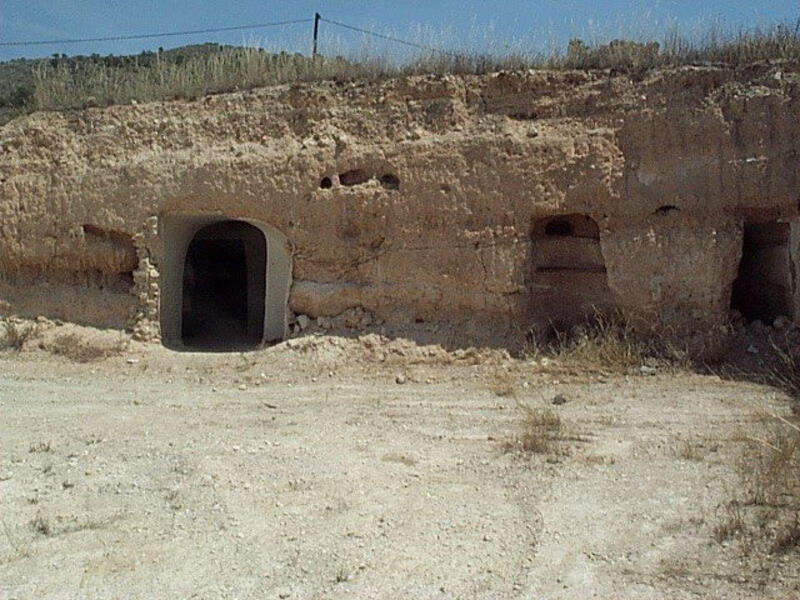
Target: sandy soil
{"type": "Point", "coordinates": [307, 471]}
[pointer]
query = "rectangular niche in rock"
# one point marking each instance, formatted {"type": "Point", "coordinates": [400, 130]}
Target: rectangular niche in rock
{"type": "Point", "coordinates": [568, 275]}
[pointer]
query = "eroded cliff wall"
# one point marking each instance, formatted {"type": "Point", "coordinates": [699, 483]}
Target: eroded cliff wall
{"type": "Point", "coordinates": [419, 199]}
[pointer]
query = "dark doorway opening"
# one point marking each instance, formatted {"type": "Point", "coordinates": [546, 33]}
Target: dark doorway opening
{"type": "Point", "coordinates": [224, 288]}
{"type": "Point", "coordinates": [568, 276]}
{"type": "Point", "coordinates": [763, 287]}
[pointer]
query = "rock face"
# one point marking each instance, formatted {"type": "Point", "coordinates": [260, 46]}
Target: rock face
{"type": "Point", "coordinates": [425, 199]}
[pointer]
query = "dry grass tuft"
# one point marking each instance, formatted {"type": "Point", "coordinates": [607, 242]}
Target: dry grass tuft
{"type": "Point", "coordinates": [691, 451]}
{"type": "Point", "coordinates": [732, 525]}
{"type": "Point", "coordinates": [540, 431]}
{"type": "Point", "coordinates": [18, 334]}
{"type": "Point", "coordinates": [610, 343]}
{"type": "Point", "coordinates": [42, 526]}
{"type": "Point", "coordinates": [78, 349]}
{"type": "Point", "coordinates": [785, 372]}
{"type": "Point", "coordinates": [763, 520]}
{"type": "Point", "coordinates": [40, 447]}
{"type": "Point", "coordinates": [502, 384]}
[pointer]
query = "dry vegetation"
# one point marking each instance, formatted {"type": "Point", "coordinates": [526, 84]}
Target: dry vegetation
{"type": "Point", "coordinates": [762, 520]}
{"type": "Point", "coordinates": [610, 343]}
{"type": "Point", "coordinates": [62, 84]}
{"type": "Point", "coordinates": [540, 431]}
{"type": "Point", "coordinates": [65, 85]}
{"type": "Point", "coordinates": [17, 334]}
{"type": "Point", "coordinates": [76, 348]}
{"type": "Point", "coordinates": [784, 373]}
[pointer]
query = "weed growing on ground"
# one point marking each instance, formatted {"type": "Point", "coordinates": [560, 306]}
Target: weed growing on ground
{"type": "Point", "coordinates": [691, 451]}
{"type": "Point", "coordinates": [785, 372]}
{"type": "Point", "coordinates": [611, 343]}
{"type": "Point", "coordinates": [42, 526]}
{"type": "Point", "coordinates": [16, 335]}
{"type": "Point", "coordinates": [502, 384]}
{"type": "Point", "coordinates": [78, 349]}
{"type": "Point", "coordinates": [540, 431]}
{"type": "Point", "coordinates": [763, 520]}
{"type": "Point", "coordinates": [731, 525]}
{"type": "Point", "coordinates": [342, 575]}
{"type": "Point", "coordinates": [40, 447]}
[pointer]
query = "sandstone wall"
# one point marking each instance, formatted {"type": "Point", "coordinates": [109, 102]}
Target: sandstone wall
{"type": "Point", "coordinates": [414, 199]}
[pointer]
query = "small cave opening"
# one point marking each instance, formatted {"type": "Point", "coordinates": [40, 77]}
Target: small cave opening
{"type": "Point", "coordinates": [326, 183]}
{"type": "Point", "coordinates": [224, 287]}
{"type": "Point", "coordinates": [666, 209]}
{"type": "Point", "coordinates": [353, 177]}
{"type": "Point", "coordinates": [390, 182]}
{"type": "Point", "coordinates": [763, 288]}
{"type": "Point", "coordinates": [566, 226]}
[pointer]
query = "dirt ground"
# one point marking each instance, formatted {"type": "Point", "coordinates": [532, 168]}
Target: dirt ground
{"type": "Point", "coordinates": [329, 467]}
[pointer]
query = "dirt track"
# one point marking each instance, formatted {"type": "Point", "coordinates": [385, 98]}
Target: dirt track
{"type": "Point", "coordinates": [285, 474]}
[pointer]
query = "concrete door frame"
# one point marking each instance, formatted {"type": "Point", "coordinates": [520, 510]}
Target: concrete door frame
{"type": "Point", "coordinates": [177, 232]}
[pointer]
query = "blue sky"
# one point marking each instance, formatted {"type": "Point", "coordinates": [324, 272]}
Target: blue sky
{"type": "Point", "coordinates": [453, 24]}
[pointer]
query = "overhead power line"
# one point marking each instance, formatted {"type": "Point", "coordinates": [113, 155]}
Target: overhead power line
{"type": "Point", "coordinates": [118, 38]}
{"type": "Point", "coordinates": [317, 18]}
{"type": "Point", "coordinates": [389, 37]}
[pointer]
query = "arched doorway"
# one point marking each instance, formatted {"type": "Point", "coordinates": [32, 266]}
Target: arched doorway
{"type": "Point", "coordinates": [229, 279]}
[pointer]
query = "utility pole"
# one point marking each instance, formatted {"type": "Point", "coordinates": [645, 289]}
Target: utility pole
{"type": "Point", "coordinates": [317, 17]}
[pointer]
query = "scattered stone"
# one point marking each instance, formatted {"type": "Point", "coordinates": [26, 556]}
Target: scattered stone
{"type": "Point", "coordinates": [645, 370]}
{"type": "Point", "coordinates": [533, 132]}
{"type": "Point", "coordinates": [132, 361]}
{"type": "Point", "coordinates": [781, 322]}
{"type": "Point", "coordinates": [559, 399]}
{"type": "Point", "coordinates": [400, 379]}
{"type": "Point", "coordinates": [752, 349]}
{"type": "Point", "coordinates": [67, 484]}
{"type": "Point", "coordinates": [303, 322]}
{"type": "Point", "coordinates": [242, 387]}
